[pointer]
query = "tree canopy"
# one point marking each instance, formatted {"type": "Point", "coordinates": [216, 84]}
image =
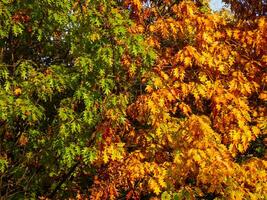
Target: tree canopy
{"type": "Point", "coordinates": [133, 99]}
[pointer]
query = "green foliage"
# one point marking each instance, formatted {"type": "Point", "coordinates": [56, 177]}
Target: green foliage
{"type": "Point", "coordinates": [61, 72]}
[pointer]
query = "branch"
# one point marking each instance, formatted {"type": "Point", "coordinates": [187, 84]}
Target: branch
{"type": "Point", "coordinates": [64, 179]}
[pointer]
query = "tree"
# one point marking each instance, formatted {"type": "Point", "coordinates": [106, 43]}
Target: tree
{"type": "Point", "coordinates": [194, 128]}
{"type": "Point", "coordinates": [248, 8]}
{"type": "Point", "coordinates": [61, 76]}
{"type": "Point", "coordinates": [132, 99]}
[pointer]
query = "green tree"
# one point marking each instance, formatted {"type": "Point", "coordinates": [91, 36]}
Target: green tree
{"type": "Point", "coordinates": [61, 73]}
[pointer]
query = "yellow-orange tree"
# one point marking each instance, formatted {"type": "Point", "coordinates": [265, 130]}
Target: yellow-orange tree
{"type": "Point", "coordinates": [198, 131]}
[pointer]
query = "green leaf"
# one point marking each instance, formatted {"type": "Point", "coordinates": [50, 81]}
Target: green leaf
{"type": "Point", "coordinates": [165, 196]}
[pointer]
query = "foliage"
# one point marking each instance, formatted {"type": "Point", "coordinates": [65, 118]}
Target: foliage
{"type": "Point", "coordinates": [248, 8]}
{"type": "Point", "coordinates": [132, 100]}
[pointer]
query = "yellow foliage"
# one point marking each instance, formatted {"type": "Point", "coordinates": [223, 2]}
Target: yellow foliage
{"type": "Point", "coordinates": [202, 109]}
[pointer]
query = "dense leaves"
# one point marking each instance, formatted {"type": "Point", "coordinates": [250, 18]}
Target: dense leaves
{"type": "Point", "coordinates": [132, 100]}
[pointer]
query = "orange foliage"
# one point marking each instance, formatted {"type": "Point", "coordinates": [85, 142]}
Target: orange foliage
{"type": "Point", "coordinates": [203, 106]}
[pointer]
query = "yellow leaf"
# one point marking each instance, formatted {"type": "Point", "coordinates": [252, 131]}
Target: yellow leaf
{"type": "Point", "coordinates": [221, 68]}
{"type": "Point", "coordinates": [197, 157]}
{"type": "Point", "coordinates": [203, 78]}
{"type": "Point", "coordinates": [255, 130]}
{"type": "Point", "coordinates": [207, 38]}
{"type": "Point", "coordinates": [162, 183]}
{"type": "Point", "coordinates": [17, 91]}
{"type": "Point", "coordinates": [94, 37]}
{"type": "Point", "coordinates": [263, 96]}
{"type": "Point", "coordinates": [240, 147]}
{"type": "Point", "coordinates": [187, 61]}
{"type": "Point", "coordinates": [264, 58]}
{"type": "Point", "coordinates": [157, 190]}
{"type": "Point", "coordinates": [190, 10]}
{"type": "Point", "coordinates": [161, 102]}
{"type": "Point", "coordinates": [236, 34]}
{"type": "Point", "coordinates": [149, 89]}
{"type": "Point", "coordinates": [176, 73]}
{"type": "Point", "coordinates": [262, 23]}
{"type": "Point", "coordinates": [105, 157]}
{"type": "Point", "coordinates": [164, 75]}
{"type": "Point", "coordinates": [151, 106]}
{"type": "Point", "coordinates": [154, 186]}
{"type": "Point", "coordinates": [152, 28]}
{"type": "Point", "coordinates": [185, 109]}
{"type": "Point", "coordinates": [157, 82]}
{"type": "Point", "coordinates": [235, 136]}
{"type": "Point", "coordinates": [229, 32]}
{"type": "Point", "coordinates": [178, 158]}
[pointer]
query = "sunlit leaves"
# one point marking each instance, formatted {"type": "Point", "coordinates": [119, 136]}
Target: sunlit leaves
{"type": "Point", "coordinates": [113, 152]}
{"type": "Point", "coordinates": [131, 99]}
{"type": "Point", "coordinates": [212, 73]}
{"type": "Point", "coordinates": [3, 164]}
